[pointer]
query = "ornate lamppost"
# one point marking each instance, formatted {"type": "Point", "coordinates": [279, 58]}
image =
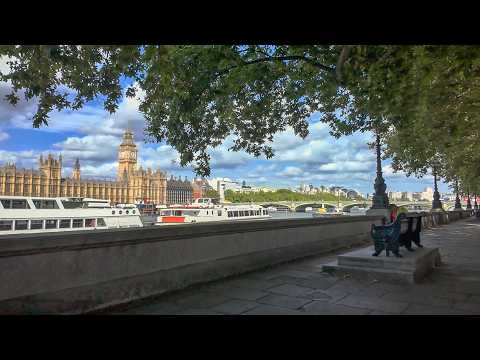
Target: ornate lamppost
{"type": "Point", "coordinates": [436, 203]}
{"type": "Point", "coordinates": [458, 204]}
{"type": "Point", "coordinates": [380, 198]}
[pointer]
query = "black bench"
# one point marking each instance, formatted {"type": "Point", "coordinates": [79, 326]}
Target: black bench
{"type": "Point", "coordinates": [410, 232]}
{"type": "Point", "coordinates": [402, 232]}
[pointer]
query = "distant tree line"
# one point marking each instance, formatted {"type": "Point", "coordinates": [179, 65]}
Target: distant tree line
{"type": "Point", "coordinates": [280, 195]}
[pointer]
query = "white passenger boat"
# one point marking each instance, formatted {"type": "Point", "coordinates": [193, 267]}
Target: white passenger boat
{"type": "Point", "coordinates": [207, 210]}
{"type": "Point", "coordinates": [25, 215]}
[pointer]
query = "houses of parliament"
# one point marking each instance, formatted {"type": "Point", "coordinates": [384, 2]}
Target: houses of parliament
{"type": "Point", "coordinates": [133, 183]}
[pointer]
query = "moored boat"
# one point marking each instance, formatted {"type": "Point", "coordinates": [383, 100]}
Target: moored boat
{"type": "Point", "coordinates": [25, 215]}
{"type": "Point", "coordinates": [207, 210]}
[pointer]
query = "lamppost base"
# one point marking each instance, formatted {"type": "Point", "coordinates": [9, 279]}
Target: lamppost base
{"type": "Point", "coordinates": [437, 205]}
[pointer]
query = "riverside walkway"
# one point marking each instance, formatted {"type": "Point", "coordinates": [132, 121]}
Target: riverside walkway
{"type": "Point", "coordinates": [301, 288]}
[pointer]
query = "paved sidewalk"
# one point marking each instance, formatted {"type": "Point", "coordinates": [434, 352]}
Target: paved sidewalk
{"type": "Point", "coordinates": [300, 288]}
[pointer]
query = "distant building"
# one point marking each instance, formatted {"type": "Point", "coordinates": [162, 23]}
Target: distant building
{"type": "Point", "coordinates": [199, 188]}
{"type": "Point", "coordinates": [417, 196]}
{"type": "Point", "coordinates": [407, 196]}
{"type": "Point", "coordinates": [337, 191]}
{"type": "Point", "coordinates": [352, 194]}
{"type": "Point", "coordinates": [303, 188]}
{"type": "Point", "coordinates": [179, 191]}
{"type": "Point", "coordinates": [267, 189]}
{"type": "Point", "coordinates": [427, 194]}
{"type": "Point", "coordinates": [395, 195]}
{"type": "Point", "coordinates": [133, 184]}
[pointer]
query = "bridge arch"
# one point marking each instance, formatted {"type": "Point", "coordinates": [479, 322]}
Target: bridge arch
{"type": "Point", "coordinates": [327, 207]}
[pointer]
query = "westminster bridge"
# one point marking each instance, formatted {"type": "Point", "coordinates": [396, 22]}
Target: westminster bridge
{"type": "Point", "coordinates": [300, 206]}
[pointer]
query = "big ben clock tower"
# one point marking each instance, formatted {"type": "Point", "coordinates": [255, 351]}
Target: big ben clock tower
{"type": "Point", "coordinates": [127, 156]}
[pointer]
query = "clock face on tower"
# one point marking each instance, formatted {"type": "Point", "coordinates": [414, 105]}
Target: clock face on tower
{"type": "Point", "coordinates": [132, 155]}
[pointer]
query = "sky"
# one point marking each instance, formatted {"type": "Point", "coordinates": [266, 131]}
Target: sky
{"type": "Point", "coordinates": [93, 135]}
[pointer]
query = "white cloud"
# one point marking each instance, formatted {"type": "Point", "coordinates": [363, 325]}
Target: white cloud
{"type": "Point", "coordinates": [163, 157]}
{"type": "Point", "coordinates": [4, 136]}
{"type": "Point", "coordinates": [4, 67]}
{"type": "Point", "coordinates": [222, 158]}
{"type": "Point", "coordinates": [291, 171]}
{"type": "Point", "coordinates": [107, 171]}
{"type": "Point", "coordinates": [26, 158]}
{"type": "Point", "coordinates": [91, 149]}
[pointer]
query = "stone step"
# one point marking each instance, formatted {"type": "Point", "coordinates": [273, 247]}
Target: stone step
{"type": "Point", "coordinates": [409, 269]}
{"type": "Point", "coordinates": [408, 262]}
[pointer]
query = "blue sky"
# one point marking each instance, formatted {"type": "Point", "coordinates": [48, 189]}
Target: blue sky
{"type": "Point", "coordinates": [92, 135]}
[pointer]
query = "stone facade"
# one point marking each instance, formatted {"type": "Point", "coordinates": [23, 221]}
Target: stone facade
{"type": "Point", "coordinates": [179, 191]}
{"type": "Point", "coordinates": [133, 183]}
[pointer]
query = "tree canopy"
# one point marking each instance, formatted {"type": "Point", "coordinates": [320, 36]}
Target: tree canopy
{"type": "Point", "coordinates": [421, 100]}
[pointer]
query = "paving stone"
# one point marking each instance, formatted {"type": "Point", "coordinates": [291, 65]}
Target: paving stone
{"type": "Point", "coordinates": [454, 296]}
{"type": "Point", "coordinates": [418, 298]}
{"type": "Point", "coordinates": [349, 285]}
{"type": "Point", "coordinates": [314, 283]}
{"type": "Point", "coordinates": [474, 299]}
{"type": "Point", "coordinates": [284, 301]}
{"type": "Point", "coordinates": [297, 273]}
{"type": "Point", "coordinates": [257, 283]}
{"type": "Point", "coordinates": [272, 310]}
{"type": "Point", "coordinates": [245, 294]}
{"type": "Point", "coordinates": [163, 308]}
{"type": "Point", "coordinates": [218, 287]}
{"type": "Point", "coordinates": [332, 295]}
{"type": "Point", "coordinates": [370, 291]}
{"type": "Point", "coordinates": [195, 311]}
{"type": "Point", "coordinates": [202, 300]}
{"type": "Point", "coordinates": [419, 309]}
{"type": "Point", "coordinates": [325, 308]}
{"type": "Point", "coordinates": [470, 307]}
{"type": "Point", "coordinates": [469, 288]}
{"type": "Point", "coordinates": [378, 312]}
{"type": "Point", "coordinates": [373, 303]}
{"type": "Point", "coordinates": [291, 290]}
{"type": "Point", "coordinates": [317, 283]}
{"type": "Point", "coordinates": [307, 268]}
{"type": "Point", "coordinates": [235, 306]}
{"type": "Point", "coordinates": [380, 287]}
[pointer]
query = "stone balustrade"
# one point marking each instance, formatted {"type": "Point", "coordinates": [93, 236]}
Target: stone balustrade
{"type": "Point", "coordinates": [437, 218]}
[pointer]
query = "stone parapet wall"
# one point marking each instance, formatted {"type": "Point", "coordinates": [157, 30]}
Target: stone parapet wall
{"type": "Point", "coordinates": [438, 218]}
{"type": "Point", "coordinates": [80, 272]}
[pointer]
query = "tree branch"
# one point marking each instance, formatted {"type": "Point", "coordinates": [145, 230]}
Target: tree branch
{"type": "Point", "coordinates": [276, 58]}
{"type": "Point", "coordinates": [341, 60]}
